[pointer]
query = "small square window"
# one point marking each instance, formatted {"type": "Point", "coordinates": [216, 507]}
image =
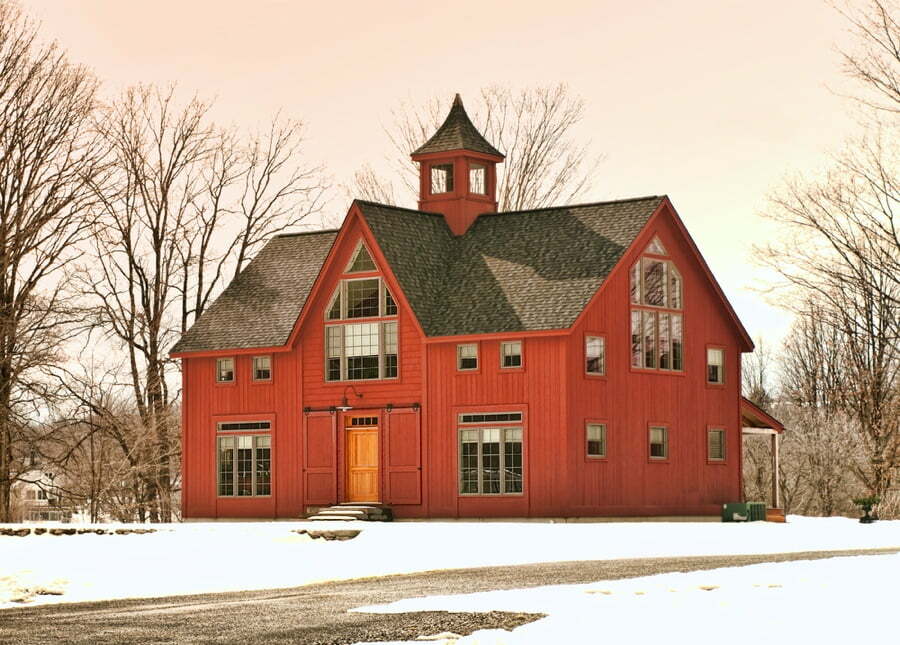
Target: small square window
{"type": "Point", "coordinates": [715, 365]}
{"type": "Point", "coordinates": [467, 356]}
{"type": "Point", "coordinates": [659, 443]}
{"type": "Point", "coordinates": [477, 179]}
{"type": "Point", "coordinates": [595, 355]}
{"type": "Point", "coordinates": [716, 445]}
{"type": "Point", "coordinates": [225, 370]}
{"type": "Point", "coordinates": [596, 439]}
{"type": "Point", "coordinates": [511, 354]}
{"type": "Point", "coordinates": [441, 178]}
{"type": "Point", "coordinates": [262, 368]}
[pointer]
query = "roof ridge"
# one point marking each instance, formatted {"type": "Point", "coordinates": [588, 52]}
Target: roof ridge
{"type": "Point", "coordinates": [399, 208]}
{"type": "Point", "coordinates": [584, 205]}
{"type": "Point", "coordinates": [299, 233]}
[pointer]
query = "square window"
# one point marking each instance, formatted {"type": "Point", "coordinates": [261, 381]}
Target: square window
{"type": "Point", "coordinates": [596, 439]}
{"type": "Point", "coordinates": [715, 365]}
{"type": "Point", "coordinates": [441, 178]}
{"type": "Point", "coordinates": [467, 356]}
{"type": "Point", "coordinates": [716, 445]}
{"type": "Point", "coordinates": [595, 355]}
{"type": "Point", "coordinates": [262, 368]}
{"type": "Point", "coordinates": [511, 354]}
{"type": "Point", "coordinates": [225, 370]}
{"type": "Point", "coordinates": [659, 443]}
{"type": "Point", "coordinates": [362, 298]}
{"type": "Point", "coordinates": [477, 179]}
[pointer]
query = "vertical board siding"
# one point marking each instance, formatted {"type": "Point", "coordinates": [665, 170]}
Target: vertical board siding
{"type": "Point", "coordinates": [419, 447]}
{"type": "Point", "coordinates": [629, 401]}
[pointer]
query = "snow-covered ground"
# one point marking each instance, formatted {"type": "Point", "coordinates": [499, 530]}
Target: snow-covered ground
{"type": "Point", "coordinates": [839, 600]}
{"type": "Point", "coordinates": [213, 557]}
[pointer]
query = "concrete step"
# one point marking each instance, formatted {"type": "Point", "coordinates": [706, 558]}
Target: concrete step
{"type": "Point", "coordinates": [333, 518]}
{"type": "Point", "coordinates": [354, 511]}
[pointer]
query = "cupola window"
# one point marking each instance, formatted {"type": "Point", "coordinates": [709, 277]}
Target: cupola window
{"type": "Point", "coordinates": [441, 178]}
{"type": "Point", "coordinates": [478, 179]}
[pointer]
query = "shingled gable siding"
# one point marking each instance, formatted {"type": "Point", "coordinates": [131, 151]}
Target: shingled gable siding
{"type": "Point", "coordinates": [626, 483]}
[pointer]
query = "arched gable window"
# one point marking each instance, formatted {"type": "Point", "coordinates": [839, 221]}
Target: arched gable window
{"type": "Point", "coordinates": [355, 348]}
{"type": "Point", "coordinates": [657, 300]}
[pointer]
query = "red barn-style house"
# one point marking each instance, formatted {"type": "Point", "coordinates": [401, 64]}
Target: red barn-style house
{"type": "Point", "coordinates": [454, 361]}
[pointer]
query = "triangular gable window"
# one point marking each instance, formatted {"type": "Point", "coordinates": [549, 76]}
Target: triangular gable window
{"type": "Point", "coordinates": [655, 247]}
{"type": "Point", "coordinates": [362, 261]}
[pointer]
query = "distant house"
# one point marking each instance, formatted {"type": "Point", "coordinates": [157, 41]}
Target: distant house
{"type": "Point", "coordinates": [39, 499]}
{"type": "Point", "coordinates": [453, 361]}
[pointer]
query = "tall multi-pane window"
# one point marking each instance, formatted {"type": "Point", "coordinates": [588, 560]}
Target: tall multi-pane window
{"type": "Point", "coordinates": [595, 355]}
{"type": "Point", "coordinates": [245, 466]}
{"type": "Point", "coordinates": [716, 444]}
{"type": "Point", "coordinates": [511, 354]}
{"type": "Point", "coordinates": [656, 320]}
{"type": "Point", "coordinates": [356, 349]}
{"type": "Point", "coordinates": [478, 179]}
{"type": "Point", "coordinates": [225, 370]}
{"type": "Point", "coordinates": [715, 365]}
{"type": "Point", "coordinates": [490, 460]}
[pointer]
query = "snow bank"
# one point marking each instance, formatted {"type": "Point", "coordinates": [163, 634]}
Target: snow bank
{"type": "Point", "coordinates": [218, 556]}
{"type": "Point", "coordinates": [824, 601]}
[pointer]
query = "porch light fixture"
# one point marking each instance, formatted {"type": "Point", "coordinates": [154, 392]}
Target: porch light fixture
{"type": "Point", "coordinates": [345, 405]}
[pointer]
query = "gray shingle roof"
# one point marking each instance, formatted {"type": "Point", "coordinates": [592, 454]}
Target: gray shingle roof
{"type": "Point", "coordinates": [457, 133]}
{"type": "Point", "coordinates": [524, 271]}
{"type": "Point", "coordinates": [260, 306]}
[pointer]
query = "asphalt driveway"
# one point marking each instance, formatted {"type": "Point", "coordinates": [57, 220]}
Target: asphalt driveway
{"type": "Point", "coordinates": [317, 614]}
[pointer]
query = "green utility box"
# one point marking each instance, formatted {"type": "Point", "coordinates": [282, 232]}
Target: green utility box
{"type": "Point", "coordinates": [744, 512]}
{"type": "Point", "coordinates": [735, 512]}
{"type": "Point", "coordinates": [757, 511]}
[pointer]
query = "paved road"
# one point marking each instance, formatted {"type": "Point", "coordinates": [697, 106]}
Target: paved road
{"type": "Point", "coordinates": [317, 614]}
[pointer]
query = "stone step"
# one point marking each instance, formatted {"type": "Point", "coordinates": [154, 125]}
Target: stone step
{"type": "Point", "coordinates": [333, 518]}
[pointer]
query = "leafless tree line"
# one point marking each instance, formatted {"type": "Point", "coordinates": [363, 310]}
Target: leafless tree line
{"type": "Point", "coordinates": [839, 259]}
{"type": "Point", "coordinates": [119, 222]}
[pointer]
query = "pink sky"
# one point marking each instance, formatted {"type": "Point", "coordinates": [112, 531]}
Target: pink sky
{"type": "Point", "coordinates": [712, 103]}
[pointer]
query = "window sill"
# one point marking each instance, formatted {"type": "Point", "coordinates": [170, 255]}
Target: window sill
{"type": "Point", "coordinates": [657, 372]}
{"type": "Point", "coordinates": [243, 497]}
{"type": "Point", "coordinates": [588, 459]}
{"type": "Point", "coordinates": [592, 375]}
{"type": "Point", "coordinates": [226, 383]}
{"type": "Point", "coordinates": [512, 370]}
{"type": "Point", "coordinates": [658, 460]}
{"type": "Point", "coordinates": [489, 495]}
{"type": "Point", "coordinates": [267, 381]}
{"type": "Point", "coordinates": [716, 462]}
{"type": "Point", "coordinates": [715, 386]}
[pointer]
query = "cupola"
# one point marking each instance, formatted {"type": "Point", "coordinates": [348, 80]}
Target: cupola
{"type": "Point", "coordinates": [457, 171]}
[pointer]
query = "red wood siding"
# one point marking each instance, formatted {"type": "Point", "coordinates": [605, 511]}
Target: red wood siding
{"type": "Point", "coordinates": [419, 447]}
{"type": "Point", "coordinates": [629, 401]}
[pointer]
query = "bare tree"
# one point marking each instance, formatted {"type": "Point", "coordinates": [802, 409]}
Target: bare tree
{"type": "Point", "coordinates": [875, 63]}
{"type": "Point", "coordinates": [188, 207]}
{"type": "Point", "coordinates": [534, 128]}
{"type": "Point", "coordinates": [49, 159]}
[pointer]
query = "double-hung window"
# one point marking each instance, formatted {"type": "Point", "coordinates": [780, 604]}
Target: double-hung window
{"type": "Point", "coordinates": [715, 443]}
{"type": "Point", "coordinates": [715, 365]}
{"type": "Point", "coordinates": [467, 357]}
{"type": "Point", "coordinates": [594, 355]}
{"type": "Point", "coordinates": [225, 370]}
{"type": "Point", "coordinates": [595, 433]}
{"type": "Point", "coordinates": [262, 368]}
{"type": "Point", "coordinates": [511, 354]}
{"type": "Point", "coordinates": [490, 456]}
{"type": "Point", "coordinates": [657, 329]}
{"type": "Point", "coordinates": [659, 443]}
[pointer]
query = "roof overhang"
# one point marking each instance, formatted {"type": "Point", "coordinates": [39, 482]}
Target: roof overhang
{"type": "Point", "coordinates": [754, 420]}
